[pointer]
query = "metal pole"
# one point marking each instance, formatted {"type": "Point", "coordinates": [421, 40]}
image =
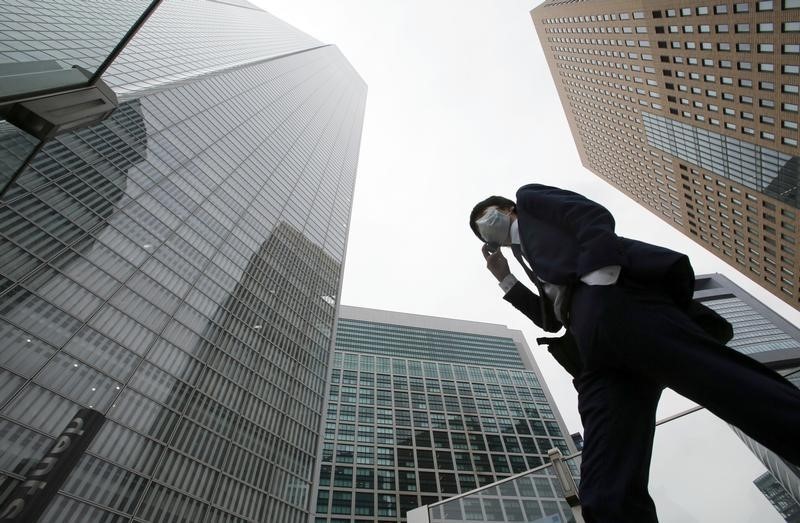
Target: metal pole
{"type": "Point", "coordinates": [125, 40]}
{"type": "Point", "coordinates": [567, 483]}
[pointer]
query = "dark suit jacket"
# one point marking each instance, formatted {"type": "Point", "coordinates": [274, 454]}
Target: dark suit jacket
{"type": "Point", "coordinates": [565, 236]}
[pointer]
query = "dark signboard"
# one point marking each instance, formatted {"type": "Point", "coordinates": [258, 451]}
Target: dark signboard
{"type": "Point", "coordinates": [32, 496]}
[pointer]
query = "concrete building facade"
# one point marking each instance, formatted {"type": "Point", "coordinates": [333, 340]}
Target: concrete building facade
{"type": "Point", "coordinates": [691, 109]}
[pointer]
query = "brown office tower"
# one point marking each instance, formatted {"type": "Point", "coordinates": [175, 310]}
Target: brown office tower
{"type": "Point", "coordinates": [691, 108]}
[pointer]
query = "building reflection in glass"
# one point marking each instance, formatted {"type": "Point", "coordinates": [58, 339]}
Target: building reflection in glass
{"type": "Point", "coordinates": [176, 267]}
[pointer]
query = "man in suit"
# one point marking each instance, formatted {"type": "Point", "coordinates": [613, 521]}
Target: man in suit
{"type": "Point", "coordinates": [632, 329]}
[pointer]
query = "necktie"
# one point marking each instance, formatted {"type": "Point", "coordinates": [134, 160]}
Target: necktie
{"type": "Point", "coordinates": [548, 316]}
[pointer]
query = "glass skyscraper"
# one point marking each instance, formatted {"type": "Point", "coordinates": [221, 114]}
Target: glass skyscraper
{"type": "Point", "coordinates": [757, 330]}
{"type": "Point", "coordinates": [422, 408]}
{"type": "Point", "coordinates": [769, 338]}
{"type": "Point", "coordinates": [786, 506]}
{"type": "Point", "coordinates": [177, 268]}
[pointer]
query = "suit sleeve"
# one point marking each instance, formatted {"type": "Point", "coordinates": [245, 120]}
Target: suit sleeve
{"type": "Point", "coordinates": [589, 223]}
{"type": "Point", "coordinates": [525, 301]}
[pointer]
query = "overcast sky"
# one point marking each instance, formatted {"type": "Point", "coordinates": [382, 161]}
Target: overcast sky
{"type": "Point", "coordinates": [461, 105]}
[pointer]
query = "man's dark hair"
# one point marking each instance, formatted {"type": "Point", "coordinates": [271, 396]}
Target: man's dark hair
{"type": "Point", "coordinates": [478, 210]}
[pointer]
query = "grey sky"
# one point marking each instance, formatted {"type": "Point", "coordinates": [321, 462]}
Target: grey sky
{"type": "Point", "coordinates": [461, 105]}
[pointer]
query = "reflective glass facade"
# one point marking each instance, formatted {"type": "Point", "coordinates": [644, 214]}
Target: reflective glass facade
{"type": "Point", "coordinates": [64, 33]}
{"type": "Point", "coordinates": [177, 268]}
{"type": "Point", "coordinates": [759, 168]}
{"type": "Point", "coordinates": [782, 472]}
{"type": "Point", "coordinates": [693, 110]}
{"type": "Point", "coordinates": [784, 503]}
{"type": "Point", "coordinates": [410, 421]}
{"type": "Point", "coordinates": [185, 39]}
{"type": "Point", "coordinates": [754, 333]}
{"type": "Point", "coordinates": [766, 337]}
{"type": "Point", "coordinates": [757, 330]}
{"type": "Point", "coordinates": [409, 342]}
{"type": "Point", "coordinates": [16, 145]}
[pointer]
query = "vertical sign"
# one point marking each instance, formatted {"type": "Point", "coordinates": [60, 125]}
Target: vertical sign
{"type": "Point", "coordinates": [32, 496]}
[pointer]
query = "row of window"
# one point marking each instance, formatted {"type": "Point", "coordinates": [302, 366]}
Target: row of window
{"type": "Point", "coordinates": [761, 27]}
{"type": "Point", "coordinates": [475, 460]}
{"type": "Point", "coordinates": [718, 9]}
{"type": "Point", "coordinates": [432, 369]}
{"type": "Point", "coordinates": [367, 394]}
{"type": "Point", "coordinates": [489, 424]}
{"type": "Point", "coordinates": [741, 47]}
{"type": "Point", "coordinates": [537, 500]}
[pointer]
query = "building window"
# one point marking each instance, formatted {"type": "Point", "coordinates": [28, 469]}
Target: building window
{"type": "Point", "coordinates": [322, 501]}
{"type": "Point", "coordinates": [341, 502]}
{"type": "Point", "coordinates": [387, 505]}
{"type": "Point", "coordinates": [427, 482]}
{"type": "Point", "coordinates": [365, 503]}
{"type": "Point", "coordinates": [407, 481]}
{"type": "Point", "coordinates": [365, 478]}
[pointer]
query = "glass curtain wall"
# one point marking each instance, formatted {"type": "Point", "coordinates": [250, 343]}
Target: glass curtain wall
{"type": "Point", "coordinates": [177, 268]}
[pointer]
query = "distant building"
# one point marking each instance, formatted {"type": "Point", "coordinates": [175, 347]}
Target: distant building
{"type": "Point", "coordinates": [784, 503]}
{"type": "Point", "coordinates": [577, 439]}
{"type": "Point", "coordinates": [758, 331]}
{"type": "Point", "coordinates": [692, 110]}
{"type": "Point", "coordinates": [422, 408]}
{"type": "Point", "coordinates": [765, 336]}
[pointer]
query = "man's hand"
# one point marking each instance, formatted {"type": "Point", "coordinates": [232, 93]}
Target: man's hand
{"type": "Point", "coordinates": [496, 263]}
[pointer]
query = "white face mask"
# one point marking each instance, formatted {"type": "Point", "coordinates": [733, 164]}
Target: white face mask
{"type": "Point", "coordinates": [494, 226]}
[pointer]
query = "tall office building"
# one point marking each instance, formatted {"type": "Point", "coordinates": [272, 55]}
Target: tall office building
{"type": "Point", "coordinates": [785, 474]}
{"type": "Point", "coordinates": [423, 408]}
{"type": "Point", "coordinates": [177, 266]}
{"type": "Point", "coordinates": [787, 507]}
{"type": "Point", "coordinates": [765, 336]}
{"type": "Point", "coordinates": [691, 109]}
{"type": "Point", "coordinates": [758, 331]}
